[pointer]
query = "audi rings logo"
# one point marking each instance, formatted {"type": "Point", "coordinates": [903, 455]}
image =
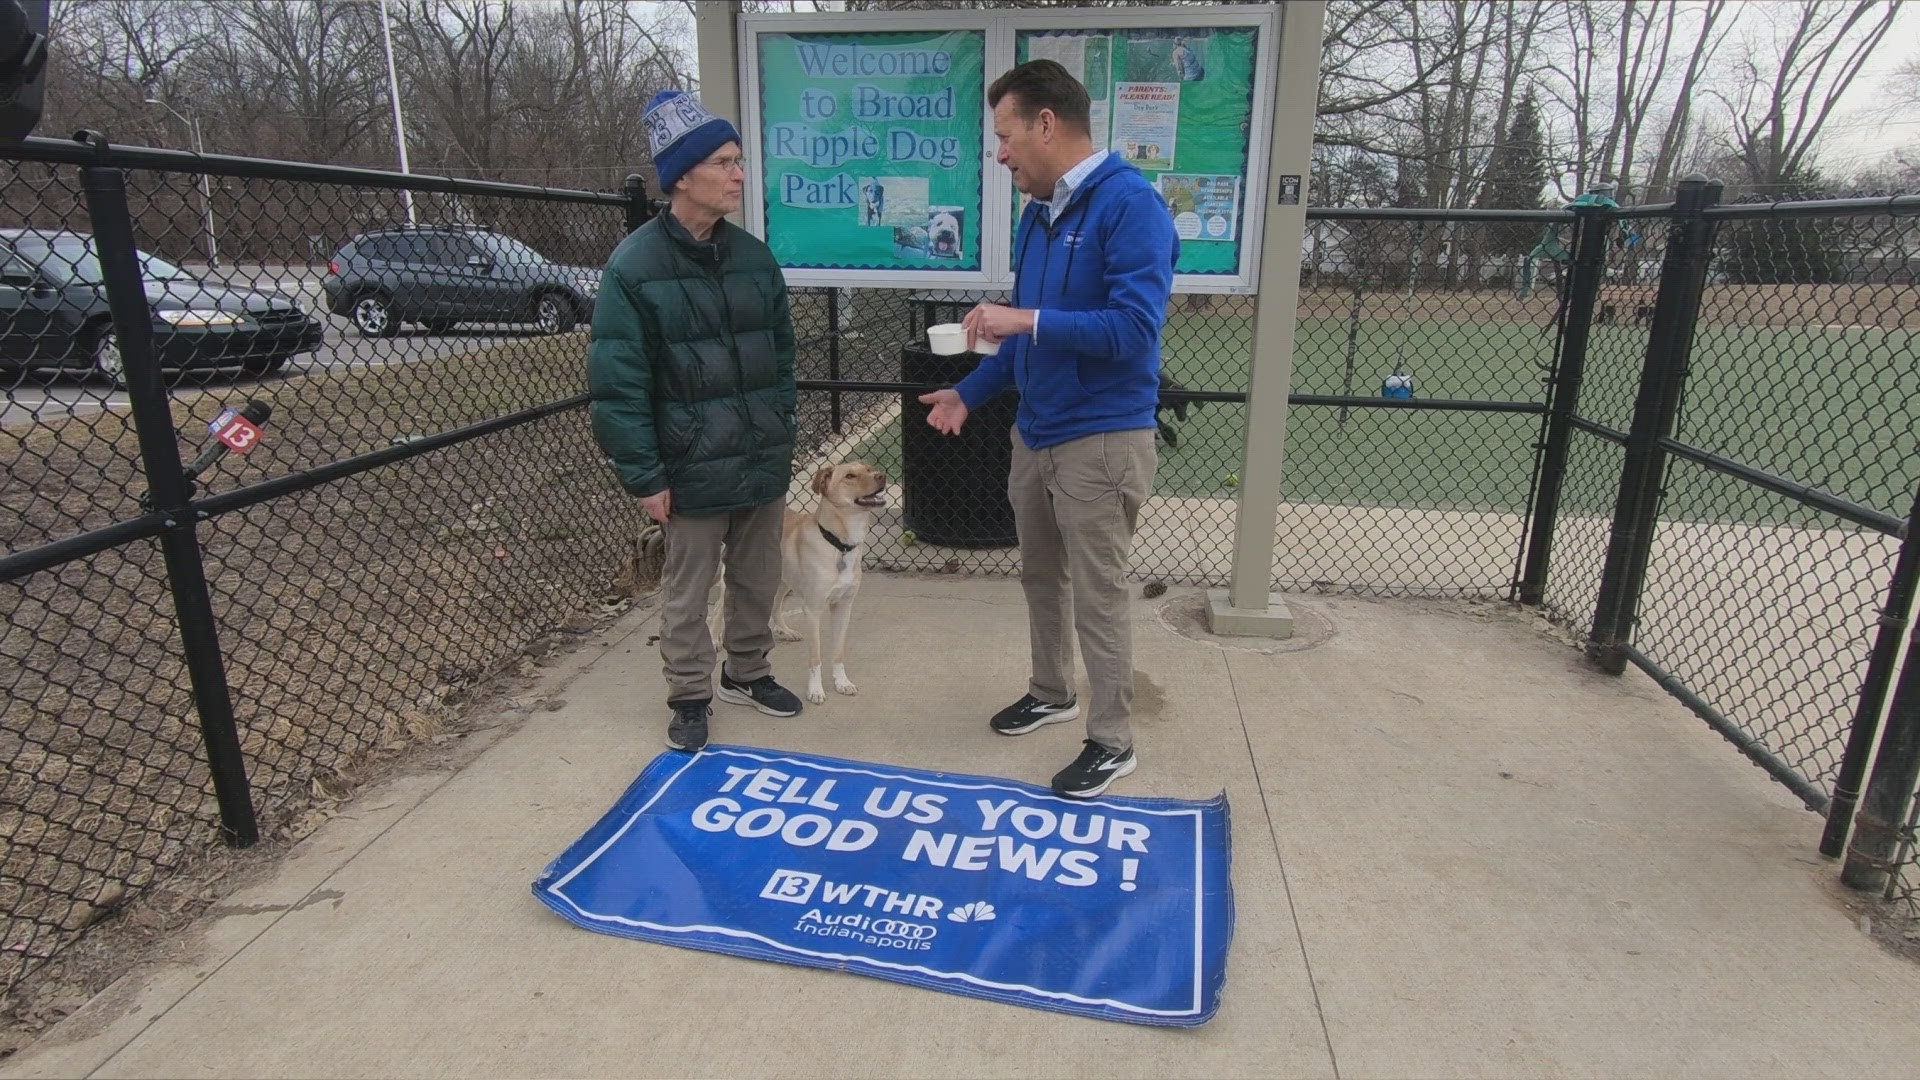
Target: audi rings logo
{"type": "Point", "coordinates": [894, 928]}
{"type": "Point", "coordinates": [867, 930]}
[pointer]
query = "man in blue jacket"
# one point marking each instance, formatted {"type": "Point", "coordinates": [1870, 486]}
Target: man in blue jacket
{"type": "Point", "coordinates": [1093, 273]}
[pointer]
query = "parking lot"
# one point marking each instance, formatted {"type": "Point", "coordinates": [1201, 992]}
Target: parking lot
{"type": "Point", "coordinates": [42, 396]}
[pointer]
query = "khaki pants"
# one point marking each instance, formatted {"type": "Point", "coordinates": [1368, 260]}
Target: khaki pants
{"type": "Point", "coordinates": [1075, 506]}
{"type": "Point", "coordinates": [748, 543]}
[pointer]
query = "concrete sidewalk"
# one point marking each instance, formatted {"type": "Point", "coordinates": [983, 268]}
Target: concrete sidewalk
{"type": "Point", "coordinates": [1457, 852]}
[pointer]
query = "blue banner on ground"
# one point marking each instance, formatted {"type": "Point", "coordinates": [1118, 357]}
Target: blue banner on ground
{"type": "Point", "coordinates": [1118, 908]}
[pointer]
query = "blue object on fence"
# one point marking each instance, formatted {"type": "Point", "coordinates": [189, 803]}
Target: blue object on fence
{"type": "Point", "coordinates": [1398, 385]}
{"type": "Point", "coordinates": [1116, 908]}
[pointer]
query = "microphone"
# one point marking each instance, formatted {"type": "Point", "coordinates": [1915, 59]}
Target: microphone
{"type": "Point", "coordinates": [255, 413]}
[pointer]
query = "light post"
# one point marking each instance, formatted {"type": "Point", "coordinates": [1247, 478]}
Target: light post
{"type": "Point", "coordinates": [393, 96]}
{"type": "Point", "coordinates": [206, 195]}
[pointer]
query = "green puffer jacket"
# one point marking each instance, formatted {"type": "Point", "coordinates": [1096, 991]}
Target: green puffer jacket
{"type": "Point", "coordinates": [691, 368]}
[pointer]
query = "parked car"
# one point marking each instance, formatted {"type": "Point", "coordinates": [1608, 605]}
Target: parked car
{"type": "Point", "coordinates": [54, 313]}
{"type": "Point", "coordinates": [442, 275]}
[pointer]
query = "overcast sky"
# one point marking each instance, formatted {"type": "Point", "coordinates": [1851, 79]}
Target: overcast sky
{"type": "Point", "coordinates": [1862, 131]}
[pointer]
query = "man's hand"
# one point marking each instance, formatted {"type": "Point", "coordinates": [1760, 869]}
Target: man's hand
{"type": "Point", "coordinates": [949, 412]}
{"type": "Point", "coordinates": [659, 507]}
{"type": "Point", "coordinates": [996, 322]}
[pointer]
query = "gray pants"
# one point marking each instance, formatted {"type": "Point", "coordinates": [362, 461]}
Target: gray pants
{"type": "Point", "coordinates": [1075, 507]}
{"type": "Point", "coordinates": [748, 543]}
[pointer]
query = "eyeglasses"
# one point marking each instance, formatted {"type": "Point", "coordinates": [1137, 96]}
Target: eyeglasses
{"type": "Point", "coordinates": [726, 164]}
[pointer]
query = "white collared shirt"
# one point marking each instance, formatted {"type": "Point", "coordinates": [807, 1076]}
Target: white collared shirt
{"type": "Point", "coordinates": [1063, 190]}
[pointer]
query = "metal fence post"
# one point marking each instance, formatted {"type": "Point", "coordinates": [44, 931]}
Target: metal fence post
{"type": "Point", "coordinates": [1663, 379]}
{"type": "Point", "coordinates": [1873, 688]}
{"type": "Point", "coordinates": [639, 211]}
{"type": "Point", "coordinates": [106, 192]}
{"type": "Point", "coordinates": [1896, 769]}
{"type": "Point", "coordinates": [1563, 398]}
{"type": "Point", "coordinates": [833, 351]}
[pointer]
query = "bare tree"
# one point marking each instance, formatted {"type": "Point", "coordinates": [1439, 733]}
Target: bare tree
{"type": "Point", "coordinates": [584, 74]}
{"type": "Point", "coordinates": [1673, 138]}
{"type": "Point", "coordinates": [314, 62]}
{"type": "Point", "coordinates": [458, 54]}
{"type": "Point", "coordinates": [1640, 62]}
{"type": "Point", "coordinates": [107, 57]}
{"type": "Point", "coordinates": [1905, 84]}
{"type": "Point", "coordinates": [1587, 35]}
{"type": "Point", "coordinates": [1518, 26]}
{"type": "Point", "coordinates": [1375, 55]}
{"type": "Point", "coordinates": [1789, 77]}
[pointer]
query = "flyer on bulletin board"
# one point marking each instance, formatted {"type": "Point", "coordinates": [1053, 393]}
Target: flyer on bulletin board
{"type": "Point", "coordinates": [1203, 207]}
{"type": "Point", "coordinates": [872, 149]}
{"type": "Point", "coordinates": [1177, 104]}
{"type": "Point", "coordinates": [1146, 123]}
{"type": "Point", "coordinates": [1085, 58]}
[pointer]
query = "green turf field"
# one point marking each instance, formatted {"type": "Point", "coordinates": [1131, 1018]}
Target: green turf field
{"type": "Point", "coordinates": [1837, 409]}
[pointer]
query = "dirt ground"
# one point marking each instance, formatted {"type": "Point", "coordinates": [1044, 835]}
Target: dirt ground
{"type": "Point", "coordinates": [154, 923]}
{"type": "Point", "coordinates": [356, 618]}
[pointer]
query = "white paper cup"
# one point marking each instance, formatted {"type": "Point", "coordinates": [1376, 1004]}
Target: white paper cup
{"type": "Point", "coordinates": [950, 339]}
{"type": "Point", "coordinates": [947, 339]}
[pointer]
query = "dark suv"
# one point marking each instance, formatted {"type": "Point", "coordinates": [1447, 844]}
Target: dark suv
{"type": "Point", "coordinates": [440, 275]}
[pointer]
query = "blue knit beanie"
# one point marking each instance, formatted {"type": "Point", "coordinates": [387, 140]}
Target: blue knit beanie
{"type": "Point", "coordinates": [681, 133]}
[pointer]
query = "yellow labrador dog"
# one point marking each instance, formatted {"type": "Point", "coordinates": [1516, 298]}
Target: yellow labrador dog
{"type": "Point", "coordinates": [820, 564]}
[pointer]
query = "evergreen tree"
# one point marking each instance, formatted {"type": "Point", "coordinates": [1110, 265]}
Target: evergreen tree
{"type": "Point", "coordinates": [1517, 168]}
{"type": "Point", "coordinates": [1516, 173]}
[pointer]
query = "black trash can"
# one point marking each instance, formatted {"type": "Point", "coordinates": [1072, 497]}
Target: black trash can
{"type": "Point", "coordinates": [955, 486]}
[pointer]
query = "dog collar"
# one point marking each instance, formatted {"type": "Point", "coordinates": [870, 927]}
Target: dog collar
{"type": "Point", "coordinates": [845, 548]}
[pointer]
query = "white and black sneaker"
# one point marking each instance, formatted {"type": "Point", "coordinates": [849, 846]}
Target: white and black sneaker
{"type": "Point", "coordinates": [762, 693]}
{"type": "Point", "coordinates": [1030, 712]}
{"type": "Point", "coordinates": [1093, 771]}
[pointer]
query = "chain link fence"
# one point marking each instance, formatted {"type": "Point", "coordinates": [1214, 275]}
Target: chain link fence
{"type": "Point", "coordinates": [1426, 497]}
{"type": "Point", "coordinates": [1186, 528]}
{"type": "Point", "coordinates": [1903, 885]}
{"type": "Point", "coordinates": [1786, 476]}
{"type": "Point", "coordinates": [359, 589]}
{"type": "Point", "coordinates": [1686, 432]}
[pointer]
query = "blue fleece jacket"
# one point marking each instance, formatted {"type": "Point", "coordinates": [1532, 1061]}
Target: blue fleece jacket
{"type": "Point", "coordinates": [1100, 275]}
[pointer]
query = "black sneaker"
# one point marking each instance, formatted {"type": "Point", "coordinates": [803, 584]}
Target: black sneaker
{"type": "Point", "coordinates": [1091, 772]}
{"type": "Point", "coordinates": [1030, 712]}
{"type": "Point", "coordinates": [762, 693]}
{"type": "Point", "coordinates": [688, 728]}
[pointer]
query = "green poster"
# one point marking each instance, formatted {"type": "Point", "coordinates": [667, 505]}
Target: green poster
{"type": "Point", "coordinates": [872, 145]}
{"type": "Point", "coordinates": [1177, 103]}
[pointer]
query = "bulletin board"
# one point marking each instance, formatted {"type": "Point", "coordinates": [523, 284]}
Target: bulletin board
{"type": "Point", "coordinates": [871, 151]}
{"type": "Point", "coordinates": [868, 157]}
{"type": "Point", "coordinates": [1161, 96]}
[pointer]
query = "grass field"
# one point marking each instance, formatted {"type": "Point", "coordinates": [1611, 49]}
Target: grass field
{"type": "Point", "coordinates": [1833, 408]}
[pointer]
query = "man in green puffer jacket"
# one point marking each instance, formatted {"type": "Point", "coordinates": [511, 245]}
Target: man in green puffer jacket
{"type": "Point", "coordinates": [691, 372]}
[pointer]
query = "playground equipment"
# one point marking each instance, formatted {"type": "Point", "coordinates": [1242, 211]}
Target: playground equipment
{"type": "Point", "coordinates": [1552, 246]}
